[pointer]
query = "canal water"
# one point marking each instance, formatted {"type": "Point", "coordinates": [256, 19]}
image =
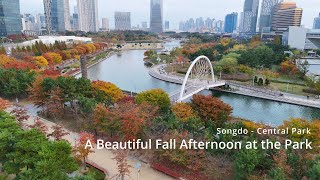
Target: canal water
{"type": "Point", "coordinates": [128, 72]}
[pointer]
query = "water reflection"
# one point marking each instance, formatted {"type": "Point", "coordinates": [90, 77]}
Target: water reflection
{"type": "Point", "coordinates": [129, 73]}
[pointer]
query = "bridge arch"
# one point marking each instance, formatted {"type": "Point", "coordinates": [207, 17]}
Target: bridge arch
{"type": "Point", "coordinates": [201, 67]}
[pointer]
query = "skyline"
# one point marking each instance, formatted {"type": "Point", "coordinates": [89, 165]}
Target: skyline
{"type": "Point", "coordinates": [140, 11]}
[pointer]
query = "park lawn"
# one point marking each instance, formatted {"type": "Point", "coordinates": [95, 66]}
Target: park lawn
{"type": "Point", "coordinates": [292, 88]}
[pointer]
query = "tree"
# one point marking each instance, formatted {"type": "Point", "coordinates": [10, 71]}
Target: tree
{"type": "Point", "coordinates": [55, 161]}
{"type": "Point", "coordinates": [262, 56]}
{"type": "Point", "coordinates": [14, 83]}
{"type": "Point", "coordinates": [109, 89]}
{"type": "Point", "coordinates": [58, 132]}
{"type": "Point", "coordinates": [80, 150]}
{"type": "Point", "coordinates": [3, 50]}
{"type": "Point", "coordinates": [156, 97]}
{"type": "Point", "coordinates": [105, 121]}
{"type": "Point", "coordinates": [122, 163]}
{"type": "Point", "coordinates": [4, 104]}
{"type": "Point", "coordinates": [183, 111]}
{"type": "Point", "coordinates": [289, 68]}
{"type": "Point", "coordinates": [209, 108]}
{"type": "Point", "coordinates": [54, 104]}
{"type": "Point", "coordinates": [21, 114]}
{"type": "Point", "coordinates": [246, 161]}
{"type": "Point", "coordinates": [52, 58]}
{"type": "Point", "coordinates": [40, 126]}
{"type": "Point", "coordinates": [41, 61]}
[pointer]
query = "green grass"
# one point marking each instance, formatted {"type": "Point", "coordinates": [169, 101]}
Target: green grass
{"type": "Point", "coordinates": [291, 88]}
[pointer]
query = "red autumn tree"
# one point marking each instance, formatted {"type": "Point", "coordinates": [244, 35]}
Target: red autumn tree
{"type": "Point", "coordinates": [58, 132]}
{"type": "Point", "coordinates": [105, 121]}
{"type": "Point", "coordinates": [80, 150]}
{"type": "Point", "coordinates": [210, 108]}
{"type": "Point", "coordinates": [38, 124]}
{"type": "Point", "coordinates": [122, 163]}
{"type": "Point", "coordinates": [21, 114]}
{"type": "Point", "coordinates": [54, 104]}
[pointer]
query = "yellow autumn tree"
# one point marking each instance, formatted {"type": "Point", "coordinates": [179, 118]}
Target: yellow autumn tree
{"type": "Point", "coordinates": [110, 90]}
{"type": "Point", "coordinates": [53, 58]}
{"type": "Point", "coordinates": [313, 136]}
{"type": "Point", "coordinates": [5, 59]}
{"type": "Point", "coordinates": [183, 111]}
{"type": "Point", "coordinates": [40, 61]}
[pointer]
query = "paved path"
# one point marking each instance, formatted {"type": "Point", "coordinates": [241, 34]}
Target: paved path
{"type": "Point", "coordinates": [274, 95]}
{"type": "Point", "coordinates": [158, 72]}
{"type": "Point", "coordinates": [103, 158]}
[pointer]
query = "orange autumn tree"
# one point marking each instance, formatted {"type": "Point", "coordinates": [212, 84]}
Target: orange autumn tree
{"type": "Point", "coordinates": [5, 59]}
{"type": "Point", "coordinates": [52, 58]}
{"type": "Point", "coordinates": [289, 68]}
{"type": "Point", "coordinates": [183, 111]}
{"type": "Point", "coordinates": [210, 108]}
{"type": "Point", "coordinates": [110, 90]}
{"type": "Point", "coordinates": [4, 104]}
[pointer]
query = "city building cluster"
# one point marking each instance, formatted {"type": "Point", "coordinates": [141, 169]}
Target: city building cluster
{"type": "Point", "coordinates": [264, 17]}
{"type": "Point", "coordinates": [58, 19]}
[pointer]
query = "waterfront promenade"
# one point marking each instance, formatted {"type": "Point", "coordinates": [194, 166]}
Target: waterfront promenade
{"type": "Point", "coordinates": [159, 73]}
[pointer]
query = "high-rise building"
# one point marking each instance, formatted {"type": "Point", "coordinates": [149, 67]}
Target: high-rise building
{"type": "Point", "coordinates": [266, 12]}
{"type": "Point", "coordinates": [10, 19]}
{"type": "Point", "coordinates": [286, 14]}
{"type": "Point", "coordinates": [57, 15]}
{"type": "Point", "coordinates": [41, 21]}
{"type": "Point", "coordinates": [199, 23]}
{"type": "Point", "coordinates": [219, 26]}
{"type": "Point", "coordinates": [316, 23]}
{"type": "Point", "coordinates": [66, 15]}
{"type": "Point", "coordinates": [29, 23]}
{"type": "Point", "coordinates": [167, 25]}
{"type": "Point", "coordinates": [250, 16]}
{"type": "Point", "coordinates": [144, 25]}
{"type": "Point", "coordinates": [156, 16]}
{"type": "Point", "coordinates": [230, 23]}
{"type": "Point", "coordinates": [122, 20]}
{"type": "Point", "coordinates": [209, 23]}
{"type": "Point", "coordinates": [88, 15]}
{"type": "Point", "coordinates": [75, 22]}
{"type": "Point", "coordinates": [105, 24]}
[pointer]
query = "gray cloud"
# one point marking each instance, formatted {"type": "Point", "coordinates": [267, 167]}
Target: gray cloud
{"type": "Point", "coordinates": [175, 10]}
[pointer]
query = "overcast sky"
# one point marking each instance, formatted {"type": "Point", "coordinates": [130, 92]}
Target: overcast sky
{"type": "Point", "coordinates": [175, 10]}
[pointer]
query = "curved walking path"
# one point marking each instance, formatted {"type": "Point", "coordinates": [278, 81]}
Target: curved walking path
{"type": "Point", "coordinates": [102, 158]}
{"type": "Point", "coordinates": [158, 72]}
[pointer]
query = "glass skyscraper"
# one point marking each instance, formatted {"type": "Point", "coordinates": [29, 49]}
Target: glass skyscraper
{"type": "Point", "coordinates": [316, 23]}
{"type": "Point", "coordinates": [156, 16]}
{"type": "Point", "coordinates": [57, 19]}
{"type": "Point", "coordinates": [230, 23]}
{"type": "Point", "coordinates": [122, 20]}
{"type": "Point", "coordinates": [266, 12]}
{"type": "Point", "coordinates": [250, 16]}
{"type": "Point", "coordinates": [10, 19]}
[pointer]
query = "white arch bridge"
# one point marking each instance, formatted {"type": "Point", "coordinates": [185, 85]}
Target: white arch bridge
{"type": "Point", "coordinates": [200, 76]}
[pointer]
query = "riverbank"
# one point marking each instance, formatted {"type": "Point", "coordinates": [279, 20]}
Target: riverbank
{"type": "Point", "coordinates": [95, 63]}
{"type": "Point", "coordinates": [158, 73]}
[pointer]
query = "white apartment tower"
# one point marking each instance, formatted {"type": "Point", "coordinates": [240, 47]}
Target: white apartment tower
{"type": "Point", "coordinates": [88, 15]}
